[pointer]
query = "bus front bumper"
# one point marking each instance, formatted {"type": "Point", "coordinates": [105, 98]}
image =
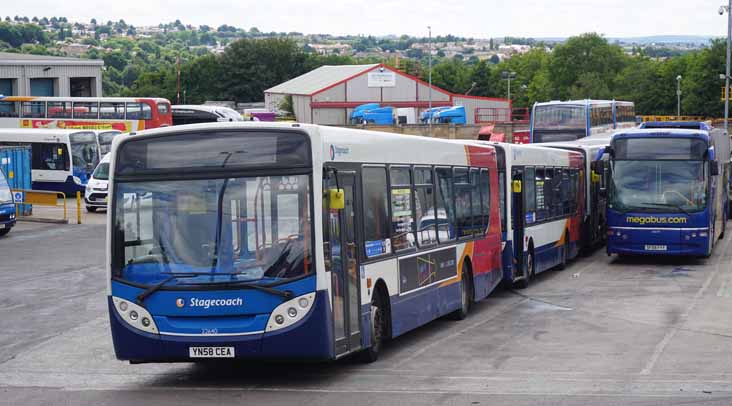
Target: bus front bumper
{"type": "Point", "coordinates": [657, 241]}
{"type": "Point", "coordinates": [308, 339]}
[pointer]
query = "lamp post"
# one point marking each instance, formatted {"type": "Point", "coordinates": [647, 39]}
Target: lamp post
{"type": "Point", "coordinates": [678, 96]}
{"type": "Point", "coordinates": [722, 10]}
{"type": "Point", "coordinates": [429, 59]}
{"type": "Point", "coordinates": [509, 76]}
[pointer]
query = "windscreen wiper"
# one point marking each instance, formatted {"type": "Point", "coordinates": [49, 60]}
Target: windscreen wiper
{"type": "Point", "coordinates": [154, 288]}
{"type": "Point", "coordinates": [678, 206]}
{"type": "Point", "coordinates": [246, 284]}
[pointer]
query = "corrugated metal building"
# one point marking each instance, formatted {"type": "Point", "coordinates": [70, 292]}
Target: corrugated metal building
{"type": "Point", "coordinates": [40, 75]}
{"type": "Point", "coordinates": [328, 94]}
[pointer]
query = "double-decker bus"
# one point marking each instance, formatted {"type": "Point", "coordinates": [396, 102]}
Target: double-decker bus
{"type": "Point", "coordinates": [595, 178]}
{"type": "Point", "coordinates": [125, 114]}
{"type": "Point", "coordinates": [542, 207]}
{"type": "Point", "coordinates": [293, 241]}
{"type": "Point", "coordinates": [61, 160]}
{"type": "Point", "coordinates": [667, 194]}
{"type": "Point", "coordinates": [558, 121]}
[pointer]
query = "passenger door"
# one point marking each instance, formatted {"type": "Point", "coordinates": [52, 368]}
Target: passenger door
{"type": "Point", "coordinates": [518, 221]}
{"type": "Point", "coordinates": [341, 258]}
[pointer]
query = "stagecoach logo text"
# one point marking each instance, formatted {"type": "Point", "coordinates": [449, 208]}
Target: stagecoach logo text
{"type": "Point", "coordinates": [656, 220]}
{"type": "Point", "coordinates": [338, 151]}
{"type": "Point", "coordinates": [208, 303]}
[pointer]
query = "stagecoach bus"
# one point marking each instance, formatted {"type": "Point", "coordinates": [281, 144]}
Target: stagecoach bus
{"type": "Point", "coordinates": [542, 206]}
{"type": "Point", "coordinates": [104, 140]}
{"type": "Point", "coordinates": [84, 113]}
{"type": "Point", "coordinates": [558, 121]}
{"type": "Point", "coordinates": [595, 178]}
{"type": "Point", "coordinates": [668, 194]}
{"type": "Point", "coordinates": [61, 160]}
{"type": "Point", "coordinates": [293, 241]}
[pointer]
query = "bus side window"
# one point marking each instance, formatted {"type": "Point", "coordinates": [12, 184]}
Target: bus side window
{"type": "Point", "coordinates": [33, 109]}
{"type": "Point", "coordinates": [463, 202]}
{"type": "Point", "coordinates": [59, 109]}
{"type": "Point", "coordinates": [540, 189]}
{"type": "Point", "coordinates": [485, 191]}
{"type": "Point", "coordinates": [402, 220]}
{"type": "Point", "coordinates": [114, 111]}
{"type": "Point", "coordinates": [134, 111]}
{"type": "Point", "coordinates": [445, 205]}
{"type": "Point", "coordinates": [51, 157]}
{"type": "Point", "coordinates": [478, 227]}
{"type": "Point", "coordinates": [564, 192]}
{"type": "Point", "coordinates": [424, 206]}
{"type": "Point", "coordinates": [146, 113]}
{"type": "Point", "coordinates": [375, 202]}
{"type": "Point", "coordinates": [9, 109]}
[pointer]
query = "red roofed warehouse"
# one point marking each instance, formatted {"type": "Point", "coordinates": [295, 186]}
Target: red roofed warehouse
{"type": "Point", "coordinates": [328, 94]}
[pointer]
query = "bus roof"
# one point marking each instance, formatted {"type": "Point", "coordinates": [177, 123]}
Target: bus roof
{"type": "Point", "coordinates": [42, 131]}
{"type": "Point", "coordinates": [582, 102]}
{"type": "Point", "coordinates": [690, 125]}
{"type": "Point", "coordinates": [666, 132]}
{"type": "Point", "coordinates": [83, 99]}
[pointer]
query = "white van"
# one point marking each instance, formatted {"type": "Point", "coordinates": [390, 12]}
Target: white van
{"type": "Point", "coordinates": [95, 196]}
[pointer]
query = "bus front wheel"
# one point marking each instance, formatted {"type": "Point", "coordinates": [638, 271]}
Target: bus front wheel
{"type": "Point", "coordinates": [523, 283]}
{"type": "Point", "coordinates": [377, 329]}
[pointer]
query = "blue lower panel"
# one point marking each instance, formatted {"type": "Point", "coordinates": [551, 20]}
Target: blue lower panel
{"type": "Point", "coordinates": [311, 339]}
{"type": "Point", "coordinates": [69, 188]}
{"type": "Point", "coordinates": [418, 308]}
{"type": "Point", "coordinates": [546, 257]}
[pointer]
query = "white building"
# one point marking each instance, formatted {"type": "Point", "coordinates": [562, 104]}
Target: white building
{"type": "Point", "coordinates": [40, 75]}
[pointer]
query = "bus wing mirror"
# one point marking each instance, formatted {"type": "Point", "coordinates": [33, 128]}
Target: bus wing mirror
{"type": "Point", "coordinates": [711, 154]}
{"type": "Point", "coordinates": [714, 169]}
{"type": "Point", "coordinates": [516, 186]}
{"type": "Point", "coordinates": [336, 199]}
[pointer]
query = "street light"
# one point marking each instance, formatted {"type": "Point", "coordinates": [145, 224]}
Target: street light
{"type": "Point", "coordinates": [429, 58]}
{"type": "Point", "coordinates": [509, 76]}
{"type": "Point", "coordinates": [678, 96]}
{"type": "Point", "coordinates": [722, 10]}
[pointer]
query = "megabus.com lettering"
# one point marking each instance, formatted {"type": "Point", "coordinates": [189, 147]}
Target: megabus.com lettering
{"type": "Point", "coordinates": [642, 220]}
{"type": "Point", "coordinates": [206, 303]}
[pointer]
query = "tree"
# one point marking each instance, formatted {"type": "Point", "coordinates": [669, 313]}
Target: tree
{"type": "Point", "coordinates": [452, 75]}
{"type": "Point", "coordinates": [581, 56]}
{"type": "Point", "coordinates": [250, 66]}
{"type": "Point", "coordinates": [93, 21]}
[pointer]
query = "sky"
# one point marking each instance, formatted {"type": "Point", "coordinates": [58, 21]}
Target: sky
{"type": "Point", "coordinates": [467, 18]}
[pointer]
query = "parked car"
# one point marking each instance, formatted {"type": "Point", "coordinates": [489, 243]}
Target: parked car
{"type": "Point", "coordinates": [95, 196]}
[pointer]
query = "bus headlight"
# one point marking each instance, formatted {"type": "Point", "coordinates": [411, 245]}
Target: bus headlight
{"type": "Point", "coordinates": [77, 180]}
{"type": "Point", "coordinates": [134, 315]}
{"type": "Point", "coordinates": [287, 313]}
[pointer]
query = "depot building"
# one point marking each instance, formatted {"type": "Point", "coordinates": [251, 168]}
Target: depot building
{"type": "Point", "coordinates": [41, 75]}
{"type": "Point", "coordinates": [327, 95]}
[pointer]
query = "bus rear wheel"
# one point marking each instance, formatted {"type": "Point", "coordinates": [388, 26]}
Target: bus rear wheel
{"type": "Point", "coordinates": [466, 295]}
{"type": "Point", "coordinates": [528, 271]}
{"type": "Point", "coordinates": [377, 330]}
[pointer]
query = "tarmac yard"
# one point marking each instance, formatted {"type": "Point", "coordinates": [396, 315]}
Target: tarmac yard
{"type": "Point", "coordinates": [603, 331]}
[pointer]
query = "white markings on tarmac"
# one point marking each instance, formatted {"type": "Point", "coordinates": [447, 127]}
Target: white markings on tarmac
{"type": "Point", "coordinates": [676, 327]}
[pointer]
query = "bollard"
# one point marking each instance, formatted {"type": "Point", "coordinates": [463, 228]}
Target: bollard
{"type": "Point", "coordinates": [78, 207]}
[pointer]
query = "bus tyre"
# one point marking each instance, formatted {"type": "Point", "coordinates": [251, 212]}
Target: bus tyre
{"type": "Point", "coordinates": [91, 209]}
{"type": "Point", "coordinates": [528, 272]}
{"type": "Point", "coordinates": [4, 231]}
{"type": "Point", "coordinates": [466, 295]}
{"type": "Point", "coordinates": [565, 253]}
{"type": "Point", "coordinates": [377, 330]}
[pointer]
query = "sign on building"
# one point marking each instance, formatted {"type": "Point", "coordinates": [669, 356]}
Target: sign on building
{"type": "Point", "coordinates": [382, 79]}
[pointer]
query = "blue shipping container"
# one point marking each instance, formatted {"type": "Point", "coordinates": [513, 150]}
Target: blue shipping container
{"type": "Point", "coordinates": [15, 162]}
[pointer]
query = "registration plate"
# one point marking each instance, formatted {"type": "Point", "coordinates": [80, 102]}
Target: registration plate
{"type": "Point", "coordinates": [655, 248]}
{"type": "Point", "coordinates": [211, 352]}
{"type": "Point", "coordinates": [2, 226]}
{"type": "Point", "coordinates": [105, 199]}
